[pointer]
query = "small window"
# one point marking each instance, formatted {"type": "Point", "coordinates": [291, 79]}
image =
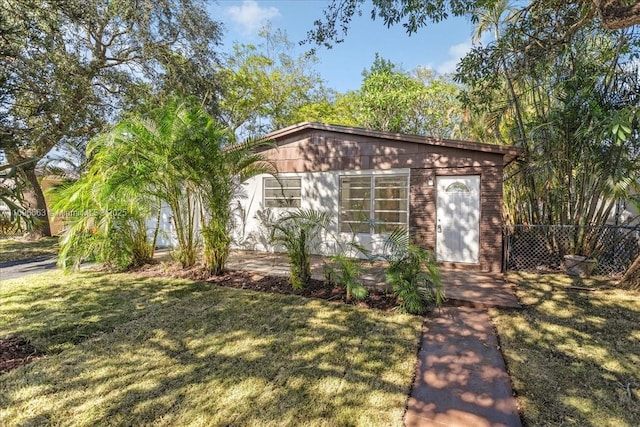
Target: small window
{"type": "Point", "coordinates": [458, 187]}
{"type": "Point", "coordinates": [282, 192]}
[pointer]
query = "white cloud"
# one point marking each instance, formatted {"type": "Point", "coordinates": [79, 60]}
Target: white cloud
{"type": "Point", "coordinates": [456, 53]}
{"type": "Point", "coordinates": [250, 16]}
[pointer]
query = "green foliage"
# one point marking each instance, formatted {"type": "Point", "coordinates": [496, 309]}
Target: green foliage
{"type": "Point", "coordinates": [153, 156]}
{"type": "Point", "coordinates": [69, 68]}
{"type": "Point", "coordinates": [217, 167]}
{"type": "Point", "coordinates": [413, 274]}
{"type": "Point", "coordinates": [413, 15]}
{"type": "Point", "coordinates": [297, 232]}
{"type": "Point", "coordinates": [216, 245]}
{"type": "Point", "coordinates": [179, 155]}
{"type": "Point", "coordinates": [572, 108]}
{"type": "Point", "coordinates": [345, 271]}
{"type": "Point", "coordinates": [12, 180]}
{"type": "Point", "coordinates": [101, 224]}
{"type": "Point", "coordinates": [265, 85]}
{"type": "Point", "coordinates": [390, 99]}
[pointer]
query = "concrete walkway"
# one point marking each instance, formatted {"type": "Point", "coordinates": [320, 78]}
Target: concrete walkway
{"type": "Point", "coordinates": [461, 379]}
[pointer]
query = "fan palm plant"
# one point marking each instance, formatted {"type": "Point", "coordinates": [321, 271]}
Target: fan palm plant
{"type": "Point", "coordinates": [412, 273]}
{"type": "Point", "coordinates": [297, 232]}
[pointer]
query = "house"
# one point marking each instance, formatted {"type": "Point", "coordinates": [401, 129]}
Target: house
{"type": "Point", "coordinates": [447, 193]}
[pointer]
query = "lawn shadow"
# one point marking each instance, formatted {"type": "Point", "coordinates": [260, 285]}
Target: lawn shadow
{"type": "Point", "coordinates": [574, 353]}
{"type": "Point", "coordinates": [228, 357]}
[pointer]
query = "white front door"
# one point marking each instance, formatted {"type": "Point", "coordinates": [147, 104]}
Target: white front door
{"type": "Point", "coordinates": [458, 216]}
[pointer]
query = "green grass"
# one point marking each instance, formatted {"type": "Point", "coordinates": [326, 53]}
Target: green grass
{"type": "Point", "coordinates": [573, 355]}
{"type": "Point", "coordinates": [127, 350]}
{"type": "Point", "coordinates": [17, 249]}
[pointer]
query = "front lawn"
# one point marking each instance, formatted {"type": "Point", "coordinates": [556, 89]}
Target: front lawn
{"type": "Point", "coordinates": [128, 350]}
{"type": "Point", "coordinates": [573, 354]}
{"type": "Point", "coordinates": [17, 249]}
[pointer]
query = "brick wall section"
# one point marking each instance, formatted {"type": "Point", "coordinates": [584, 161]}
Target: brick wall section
{"type": "Point", "coordinates": [422, 209]}
{"type": "Point", "coordinates": [318, 150]}
{"type": "Point", "coordinates": [491, 219]}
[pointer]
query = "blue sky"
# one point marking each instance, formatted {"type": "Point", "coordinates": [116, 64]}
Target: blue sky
{"type": "Point", "coordinates": [436, 46]}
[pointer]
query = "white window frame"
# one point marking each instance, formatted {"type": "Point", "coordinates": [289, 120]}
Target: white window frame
{"type": "Point", "coordinates": [373, 175]}
{"type": "Point", "coordinates": [266, 198]}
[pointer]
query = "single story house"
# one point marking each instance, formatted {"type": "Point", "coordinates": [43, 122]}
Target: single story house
{"type": "Point", "coordinates": [447, 193]}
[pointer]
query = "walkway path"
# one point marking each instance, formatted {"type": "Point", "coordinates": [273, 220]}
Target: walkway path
{"type": "Point", "coordinates": [461, 379]}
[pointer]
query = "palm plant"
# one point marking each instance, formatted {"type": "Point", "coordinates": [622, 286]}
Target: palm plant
{"type": "Point", "coordinates": [345, 271]}
{"type": "Point", "coordinates": [297, 232]}
{"type": "Point", "coordinates": [153, 155]}
{"type": "Point", "coordinates": [219, 166]}
{"type": "Point", "coordinates": [412, 273]}
{"type": "Point", "coordinates": [102, 225]}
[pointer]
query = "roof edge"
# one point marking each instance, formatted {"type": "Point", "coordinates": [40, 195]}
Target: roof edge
{"type": "Point", "coordinates": [509, 152]}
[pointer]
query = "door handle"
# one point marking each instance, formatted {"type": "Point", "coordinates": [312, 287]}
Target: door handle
{"type": "Point", "coordinates": [439, 229]}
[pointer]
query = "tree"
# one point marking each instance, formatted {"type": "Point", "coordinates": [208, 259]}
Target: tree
{"type": "Point", "coordinates": [412, 15]}
{"type": "Point", "coordinates": [573, 108]}
{"type": "Point", "coordinates": [419, 102]}
{"type": "Point", "coordinates": [69, 68]}
{"type": "Point", "coordinates": [179, 156]}
{"type": "Point", "coordinates": [332, 107]}
{"type": "Point", "coordinates": [150, 158]}
{"type": "Point", "coordinates": [219, 165]}
{"type": "Point", "coordinates": [265, 85]}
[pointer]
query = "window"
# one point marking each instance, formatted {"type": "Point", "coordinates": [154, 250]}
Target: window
{"type": "Point", "coordinates": [282, 192]}
{"type": "Point", "coordinates": [373, 204]}
{"type": "Point", "coordinates": [457, 187]}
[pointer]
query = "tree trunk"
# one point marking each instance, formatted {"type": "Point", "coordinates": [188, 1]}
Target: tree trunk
{"type": "Point", "coordinates": [36, 204]}
{"type": "Point", "coordinates": [618, 14]}
{"type": "Point", "coordinates": [631, 279]}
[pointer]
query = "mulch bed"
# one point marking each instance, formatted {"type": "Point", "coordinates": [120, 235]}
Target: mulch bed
{"type": "Point", "coordinates": [377, 299]}
{"type": "Point", "coordinates": [16, 352]}
{"type": "Point", "coordinates": [315, 289]}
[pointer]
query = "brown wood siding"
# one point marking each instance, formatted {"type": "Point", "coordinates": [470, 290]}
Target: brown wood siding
{"type": "Point", "coordinates": [325, 151]}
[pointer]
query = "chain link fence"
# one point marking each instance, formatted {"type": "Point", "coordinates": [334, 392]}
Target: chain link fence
{"type": "Point", "coordinates": [542, 247]}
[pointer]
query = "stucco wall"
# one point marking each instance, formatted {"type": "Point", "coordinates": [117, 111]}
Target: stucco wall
{"type": "Point", "coordinates": [319, 190]}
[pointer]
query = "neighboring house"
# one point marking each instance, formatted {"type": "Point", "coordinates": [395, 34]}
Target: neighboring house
{"type": "Point", "coordinates": [625, 213]}
{"type": "Point", "coordinates": [447, 193]}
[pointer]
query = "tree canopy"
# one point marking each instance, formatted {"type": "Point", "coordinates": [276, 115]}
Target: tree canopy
{"type": "Point", "coordinates": [412, 15]}
{"type": "Point", "coordinates": [69, 68]}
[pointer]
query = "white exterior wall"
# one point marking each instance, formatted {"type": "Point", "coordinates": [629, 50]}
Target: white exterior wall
{"type": "Point", "coordinates": [627, 213]}
{"type": "Point", "coordinates": [319, 191]}
{"type": "Point", "coordinates": [166, 234]}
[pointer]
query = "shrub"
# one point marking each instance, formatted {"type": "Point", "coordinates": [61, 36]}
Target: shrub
{"type": "Point", "coordinates": [413, 274]}
{"type": "Point", "coordinates": [101, 225]}
{"type": "Point", "coordinates": [345, 271]}
{"type": "Point", "coordinates": [297, 232]}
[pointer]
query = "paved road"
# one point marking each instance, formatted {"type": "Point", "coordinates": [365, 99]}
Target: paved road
{"type": "Point", "coordinates": [25, 267]}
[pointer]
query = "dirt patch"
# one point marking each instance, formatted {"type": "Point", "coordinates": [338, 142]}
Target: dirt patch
{"type": "Point", "coordinates": [16, 352]}
{"type": "Point", "coordinates": [239, 279]}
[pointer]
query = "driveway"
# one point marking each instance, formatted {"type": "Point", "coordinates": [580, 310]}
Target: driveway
{"type": "Point", "coordinates": [25, 267]}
